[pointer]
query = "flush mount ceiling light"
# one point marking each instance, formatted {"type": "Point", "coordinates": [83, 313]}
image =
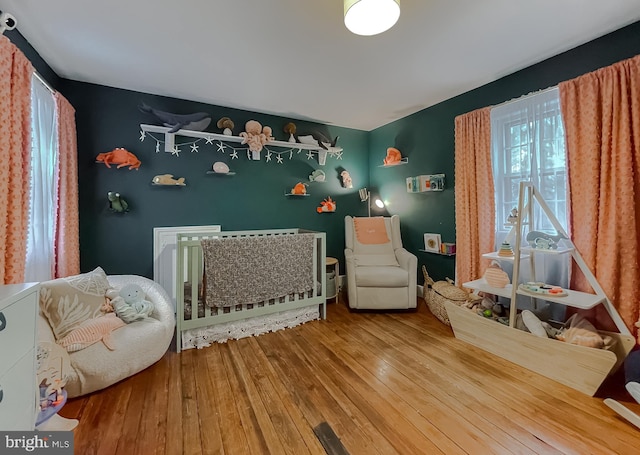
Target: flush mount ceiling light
{"type": "Point", "coordinates": [370, 17]}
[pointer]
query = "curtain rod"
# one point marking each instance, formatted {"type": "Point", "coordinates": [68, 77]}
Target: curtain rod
{"type": "Point", "coordinates": [44, 82]}
{"type": "Point", "coordinates": [539, 92]}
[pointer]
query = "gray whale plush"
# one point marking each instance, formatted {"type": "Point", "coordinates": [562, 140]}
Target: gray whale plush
{"type": "Point", "coordinates": [194, 122]}
{"type": "Point", "coordinates": [542, 240]}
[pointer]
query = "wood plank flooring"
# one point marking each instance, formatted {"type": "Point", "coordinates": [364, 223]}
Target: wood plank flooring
{"type": "Point", "coordinates": [386, 383]}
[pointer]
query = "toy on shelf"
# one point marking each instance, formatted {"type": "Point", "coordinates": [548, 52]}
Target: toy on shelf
{"type": "Point", "coordinates": [317, 176]}
{"type": "Point", "coordinates": [505, 250]}
{"type": "Point", "coordinates": [346, 179]}
{"type": "Point", "coordinates": [393, 157]}
{"type": "Point", "coordinates": [513, 216]}
{"type": "Point", "coordinates": [117, 203]}
{"type": "Point", "coordinates": [536, 287]}
{"type": "Point", "coordinates": [495, 276]}
{"type": "Point", "coordinates": [226, 125]}
{"type": "Point", "coordinates": [194, 122]}
{"type": "Point", "coordinates": [299, 189]}
{"type": "Point", "coordinates": [327, 145]}
{"type": "Point", "coordinates": [328, 205]}
{"type": "Point", "coordinates": [220, 168]}
{"type": "Point", "coordinates": [120, 156]}
{"type": "Point", "coordinates": [168, 180]}
{"type": "Point", "coordinates": [256, 136]}
{"type": "Point", "coordinates": [544, 241]}
{"type": "Point", "coordinates": [290, 128]}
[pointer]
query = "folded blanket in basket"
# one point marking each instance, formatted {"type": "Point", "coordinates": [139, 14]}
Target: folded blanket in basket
{"type": "Point", "coordinates": [242, 270]}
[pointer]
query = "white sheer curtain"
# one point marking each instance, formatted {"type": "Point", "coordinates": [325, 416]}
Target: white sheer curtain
{"type": "Point", "coordinates": [40, 242]}
{"type": "Point", "coordinates": [528, 144]}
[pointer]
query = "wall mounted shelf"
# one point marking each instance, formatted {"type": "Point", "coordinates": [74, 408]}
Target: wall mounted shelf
{"type": "Point", "coordinates": [404, 160]}
{"type": "Point", "coordinates": [220, 173]}
{"type": "Point", "coordinates": [435, 252]}
{"type": "Point", "coordinates": [168, 185]}
{"type": "Point", "coordinates": [296, 195]}
{"type": "Point", "coordinates": [169, 138]}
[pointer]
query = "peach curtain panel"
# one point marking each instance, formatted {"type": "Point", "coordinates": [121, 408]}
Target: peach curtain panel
{"type": "Point", "coordinates": [601, 114]}
{"type": "Point", "coordinates": [67, 232]}
{"type": "Point", "coordinates": [474, 193]}
{"type": "Point", "coordinates": [15, 152]}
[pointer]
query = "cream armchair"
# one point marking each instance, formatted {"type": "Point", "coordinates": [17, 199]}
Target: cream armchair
{"type": "Point", "coordinates": [381, 274]}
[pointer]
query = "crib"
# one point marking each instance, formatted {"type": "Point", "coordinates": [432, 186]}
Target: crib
{"type": "Point", "coordinates": [199, 322]}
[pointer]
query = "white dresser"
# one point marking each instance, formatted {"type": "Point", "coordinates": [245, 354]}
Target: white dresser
{"type": "Point", "coordinates": [18, 398]}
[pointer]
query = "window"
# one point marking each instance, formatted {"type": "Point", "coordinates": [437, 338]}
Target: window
{"type": "Point", "coordinates": [528, 144]}
{"type": "Point", "coordinates": [40, 232]}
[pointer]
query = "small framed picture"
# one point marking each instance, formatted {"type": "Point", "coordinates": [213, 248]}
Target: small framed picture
{"type": "Point", "coordinates": [432, 243]}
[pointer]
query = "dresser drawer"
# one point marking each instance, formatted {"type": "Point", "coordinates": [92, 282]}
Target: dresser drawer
{"type": "Point", "coordinates": [18, 390]}
{"type": "Point", "coordinates": [18, 326]}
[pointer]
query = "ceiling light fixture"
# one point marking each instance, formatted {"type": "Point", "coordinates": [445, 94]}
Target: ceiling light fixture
{"type": "Point", "coordinates": [370, 17]}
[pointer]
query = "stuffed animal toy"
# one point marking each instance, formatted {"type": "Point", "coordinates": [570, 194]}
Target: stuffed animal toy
{"type": "Point", "coordinates": [393, 156]}
{"type": "Point", "coordinates": [328, 205]}
{"type": "Point", "coordinates": [117, 203]}
{"type": "Point", "coordinates": [290, 128]}
{"type": "Point", "coordinates": [226, 125]}
{"type": "Point", "coordinates": [194, 122]}
{"type": "Point", "coordinates": [130, 304]}
{"type": "Point", "coordinates": [299, 188]}
{"type": "Point", "coordinates": [346, 179]}
{"type": "Point", "coordinates": [256, 136]}
{"type": "Point", "coordinates": [120, 156]}
{"type": "Point", "coordinates": [167, 179]}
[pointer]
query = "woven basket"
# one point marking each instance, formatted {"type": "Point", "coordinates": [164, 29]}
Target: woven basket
{"type": "Point", "coordinates": [438, 292]}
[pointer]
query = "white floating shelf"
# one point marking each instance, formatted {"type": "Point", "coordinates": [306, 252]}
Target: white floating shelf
{"type": "Point", "coordinates": [436, 252]}
{"type": "Point", "coordinates": [296, 195]}
{"type": "Point", "coordinates": [404, 160]}
{"type": "Point", "coordinates": [220, 173]}
{"type": "Point", "coordinates": [494, 255]}
{"type": "Point", "coordinates": [169, 138]}
{"type": "Point", "coordinates": [528, 249]}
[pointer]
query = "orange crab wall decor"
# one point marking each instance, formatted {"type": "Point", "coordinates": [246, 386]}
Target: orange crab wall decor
{"type": "Point", "coordinates": [120, 156]}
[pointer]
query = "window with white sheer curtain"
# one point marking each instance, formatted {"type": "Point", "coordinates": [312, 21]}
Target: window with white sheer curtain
{"type": "Point", "coordinates": [40, 242]}
{"type": "Point", "coordinates": [528, 144]}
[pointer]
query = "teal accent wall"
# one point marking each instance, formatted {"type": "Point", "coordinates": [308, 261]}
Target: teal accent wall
{"type": "Point", "coordinates": [427, 139]}
{"type": "Point", "coordinates": [254, 198]}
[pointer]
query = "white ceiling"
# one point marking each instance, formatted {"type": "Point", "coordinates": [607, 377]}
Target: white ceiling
{"type": "Point", "coordinates": [296, 59]}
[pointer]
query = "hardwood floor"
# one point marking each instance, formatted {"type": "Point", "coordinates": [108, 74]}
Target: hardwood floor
{"type": "Point", "coordinates": [386, 383]}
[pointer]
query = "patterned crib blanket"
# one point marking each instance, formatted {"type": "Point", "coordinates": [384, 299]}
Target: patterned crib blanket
{"type": "Point", "coordinates": [242, 270]}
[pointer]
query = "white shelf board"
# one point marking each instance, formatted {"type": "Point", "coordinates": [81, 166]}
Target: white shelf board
{"type": "Point", "coordinates": [494, 255]}
{"type": "Point", "coordinates": [169, 138]}
{"type": "Point", "coordinates": [296, 195]}
{"type": "Point", "coordinates": [574, 299]}
{"type": "Point", "coordinates": [404, 160]}
{"type": "Point", "coordinates": [220, 173]}
{"type": "Point", "coordinates": [482, 286]}
{"type": "Point", "coordinates": [436, 252]}
{"type": "Point", "coordinates": [545, 251]}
